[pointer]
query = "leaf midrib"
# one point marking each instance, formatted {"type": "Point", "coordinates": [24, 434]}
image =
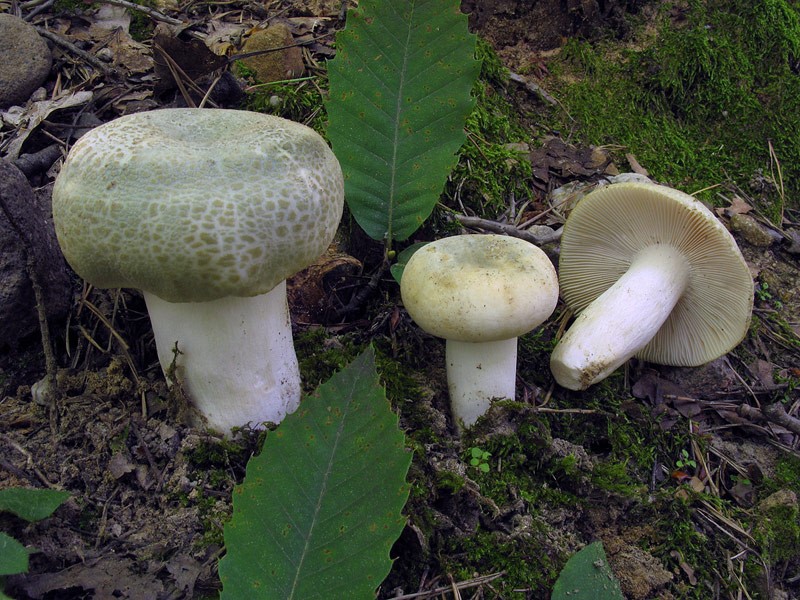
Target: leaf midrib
{"type": "Point", "coordinates": [322, 492]}
{"type": "Point", "coordinates": [396, 140]}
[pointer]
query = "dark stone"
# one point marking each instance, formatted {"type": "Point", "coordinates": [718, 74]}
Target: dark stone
{"type": "Point", "coordinates": [26, 229]}
{"type": "Point", "coordinates": [25, 60]}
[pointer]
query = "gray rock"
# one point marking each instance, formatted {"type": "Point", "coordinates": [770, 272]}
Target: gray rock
{"type": "Point", "coordinates": [753, 232]}
{"type": "Point", "coordinates": [27, 229]}
{"type": "Point", "coordinates": [25, 60]}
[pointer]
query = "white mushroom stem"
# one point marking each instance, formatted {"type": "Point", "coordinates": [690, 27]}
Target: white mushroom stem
{"type": "Point", "coordinates": [236, 360]}
{"type": "Point", "coordinates": [478, 372]}
{"type": "Point", "coordinates": [622, 320]}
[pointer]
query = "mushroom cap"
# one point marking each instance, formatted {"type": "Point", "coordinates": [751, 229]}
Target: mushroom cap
{"type": "Point", "coordinates": [479, 288]}
{"type": "Point", "coordinates": [197, 204]}
{"type": "Point", "coordinates": [611, 225]}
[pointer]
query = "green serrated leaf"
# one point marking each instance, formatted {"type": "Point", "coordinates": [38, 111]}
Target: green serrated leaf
{"type": "Point", "coordinates": [399, 96]}
{"type": "Point", "coordinates": [587, 576]}
{"type": "Point", "coordinates": [320, 507]}
{"type": "Point", "coordinates": [31, 504]}
{"type": "Point", "coordinates": [13, 556]}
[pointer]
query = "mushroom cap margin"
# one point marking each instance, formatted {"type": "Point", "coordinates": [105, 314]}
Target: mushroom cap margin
{"type": "Point", "coordinates": [611, 224]}
{"type": "Point", "coordinates": [197, 204]}
{"type": "Point", "coordinates": [479, 288]}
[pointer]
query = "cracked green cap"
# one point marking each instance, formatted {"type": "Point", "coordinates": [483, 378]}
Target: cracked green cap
{"type": "Point", "coordinates": [197, 204]}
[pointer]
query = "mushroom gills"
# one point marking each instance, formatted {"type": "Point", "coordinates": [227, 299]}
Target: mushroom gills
{"type": "Point", "coordinates": [623, 319]}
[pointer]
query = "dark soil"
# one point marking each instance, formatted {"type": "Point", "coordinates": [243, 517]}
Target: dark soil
{"type": "Point", "coordinates": [150, 491]}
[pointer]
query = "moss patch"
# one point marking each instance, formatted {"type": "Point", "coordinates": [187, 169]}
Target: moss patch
{"type": "Point", "coordinates": [698, 98]}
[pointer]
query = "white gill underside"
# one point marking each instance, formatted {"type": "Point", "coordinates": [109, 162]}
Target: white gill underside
{"type": "Point", "coordinates": [622, 320]}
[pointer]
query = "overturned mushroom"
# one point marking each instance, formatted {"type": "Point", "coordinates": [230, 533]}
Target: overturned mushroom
{"type": "Point", "coordinates": [652, 274]}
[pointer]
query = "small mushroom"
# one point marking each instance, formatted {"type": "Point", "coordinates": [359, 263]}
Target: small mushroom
{"type": "Point", "coordinates": [207, 212]}
{"type": "Point", "coordinates": [652, 274]}
{"type": "Point", "coordinates": [479, 293]}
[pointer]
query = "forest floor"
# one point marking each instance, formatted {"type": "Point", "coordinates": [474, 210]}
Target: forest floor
{"type": "Point", "coordinates": [688, 476]}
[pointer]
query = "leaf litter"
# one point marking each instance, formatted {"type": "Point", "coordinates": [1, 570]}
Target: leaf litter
{"type": "Point", "coordinates": [145, 505]}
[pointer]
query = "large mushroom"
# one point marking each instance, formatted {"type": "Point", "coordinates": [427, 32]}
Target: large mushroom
{"type": "Point", "coordinates": [479, 293]}
{"type": "Point", "coordinates": [207, 212]}
{"type": "Point", "coordinates": [652, 274]}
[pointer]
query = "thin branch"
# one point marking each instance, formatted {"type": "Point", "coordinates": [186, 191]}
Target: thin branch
{"type": "Point", "coordinates": [506, 229]}
{"type": "Point", "coordinates": [150, 12]}
{"type": "Point", "coordinates": [534, 88]}
{"type": "Point", "coordinates": [67, 45]}
{"type": "Point", "coordinates": [777, 414]}
{"type": "Point", "coordinates": [463, 585]}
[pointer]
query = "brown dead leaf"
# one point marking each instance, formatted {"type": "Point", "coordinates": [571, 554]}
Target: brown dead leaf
{"type": "Point", "coordinates": [737, 207]}
{"type": "Point", "coordinates": [224, 38]}
{"type": "Point", "coordinates": [763, 371]}
{"type": "Point", "coordinates": [27, 119]}
{"type": "Point", "coordinates": [107, 577]}
{"type": "Point", "coordinates": [192, 58]}
{"type": "Point", "coordinates": [120, 465]}
{"type": "Point", "coordinates": [635, 166]}
{"type": "Point", "coordinates": [185, 570]}
{"type": "Point", "coordinates": [743, 493]}
{"type": "Point", "coordinates": [128, 54]}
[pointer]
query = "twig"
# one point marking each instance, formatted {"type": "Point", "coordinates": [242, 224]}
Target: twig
{"type": "Point", "coordinates": [774, 413]}
{"type": "Point", "coordinates": [28, 460]}
{"type": "Point", "coordinates": [462, 585]}
{"type": "Point", "coordinates": [67, 45]}
{"type": "Point", "coordinates": [233, 58]}
{"type": "Point", "coordinates": [36, 162]}
{"type": "Point", "coordinates": [39, 7]}
{"type": "Point", "coordinates": [150, 12]}
{"type": "Point", "coordinates": [534, 88]}
{"type": "Point", "coordinates": [49, 389]}
{"type": "Point", "coordinates": [777, 414]}
{"type": "Point", "coordinates": [359, 298]}
{"type": "Point", "coordinates": [506, 229]}
{"type": "Point", "coordinates": [50, 395]}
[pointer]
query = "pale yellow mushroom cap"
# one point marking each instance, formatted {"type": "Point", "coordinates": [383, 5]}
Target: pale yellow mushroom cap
{"type": "Point", "coordinates": [197, 204]}
{"type": "Point", "coordinates": [612, 224]}
{"type": "Point", "coordinates": [479, 288]}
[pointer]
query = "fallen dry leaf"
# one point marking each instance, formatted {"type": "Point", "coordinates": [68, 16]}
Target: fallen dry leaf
{"type": "Point", "coordinates": [737, 207]}
{"type": "Point", "coordinates": [27, 119]}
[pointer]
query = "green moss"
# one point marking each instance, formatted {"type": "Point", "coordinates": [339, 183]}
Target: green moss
{"type": "Point", "coordinates": [69, 7]}
{"type": "Point", "coordinates": [212, 453]}
{"type": "Point", "coordinates": [786, 476]}
{"type": "Point", "coordinates": [777, 531]}
{"type": "Point", "coordinates": [490, 169]}
{"type": "Point", "coordinates": [320, 355]}
{"type": "Point", "coordinates": [296, 99]}
{"type": "Point", "coordinates": [449, 482]}
{"type": "Point", "coordinates": [527, 568]}
{"type": "Point", "coordinates": [142, 26]}
{"type": "Point", "coordinates": [614, 477]}
{"type": "Point", "coordinates": [698, 102]}
{"type": "Point", "coordinates": [678, 539]}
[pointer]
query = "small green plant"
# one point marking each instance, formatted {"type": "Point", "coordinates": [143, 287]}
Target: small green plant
{"type": "Point", "coordinates": [685, 461]}
{"type": "Point", "coordinates": [30, 505]}
{"type": "Point", "coordinates": [479, 459]}
{"type": "Point", "coordinates": [762, 292]}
